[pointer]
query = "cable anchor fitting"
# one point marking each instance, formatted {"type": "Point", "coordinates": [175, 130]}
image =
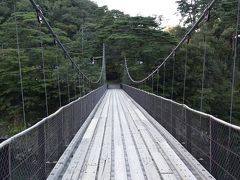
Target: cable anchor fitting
{"type": "Point", "coordinates": [55, 42]}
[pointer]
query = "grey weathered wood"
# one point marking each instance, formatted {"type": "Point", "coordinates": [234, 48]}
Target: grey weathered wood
{"type": "Point", "coordinates": [159, 160]}
{"type": "Point", "coordinates": [177, 163]}
{"type": "Point", "coordinates": [119, 158]}
{"type": "Point", "coordinates": [198, 169]}
{"type": "Point", "coordinates": [80, 154]}
{"type": "Point", "coordinates": [147, 161]}
{"type": "Point", "coordinates": [94, 153]}
{"type": "Point", "coordinates": [122, 142]}
{"type": "Point", "coordinates": [104, 170]}
{"type": "Point", "coordinates": [63, 161]}
{"type": "Point", "coordinates": [132, 155]}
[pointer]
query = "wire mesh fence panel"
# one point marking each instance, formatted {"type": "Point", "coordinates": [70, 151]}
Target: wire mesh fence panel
{"type": "Point", "coordinates": [157, 106]}
{"type": "Point", "coordinates": [67, 125]}
{"type": "Point", "coordinates": [166, 115]}
{"type": "Point", "coordinates": [225, 151]}
{"type": "Point", "coordinates": [5, 162]}
{"type": "Point", "coordinates": [198, 137]}
{"type": "Point", "coordinates": [178, 118]}
{"type": "Point", "coordinates": [27, 154]}
{"type": "Point", "coordinates": [77, 119]}
{"type": "Point", "coordinates": [234, 154]}
{"type": "Point", "coordinates": [213, 142]}
{"type": "Point", "coordinates": [33, 153]}
{"type": "Point", "coordinates": [54, 140]}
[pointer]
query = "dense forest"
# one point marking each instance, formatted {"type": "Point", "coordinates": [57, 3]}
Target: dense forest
{"type": "Point", "coordinates": [83, 27]}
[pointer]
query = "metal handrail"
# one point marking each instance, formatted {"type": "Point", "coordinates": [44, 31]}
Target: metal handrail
{"type": "Point", "coordinates": [191, 109]}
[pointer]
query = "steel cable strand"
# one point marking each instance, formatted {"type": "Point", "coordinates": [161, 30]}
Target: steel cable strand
{"type": "Point", "coordinates": [44, 78]}
{"type": "Point", "coordinates": [58, 42]}
{"type": "Point", "coordinates": [186, 37]}
{"type": "Point", "coordinates": [58, 82]}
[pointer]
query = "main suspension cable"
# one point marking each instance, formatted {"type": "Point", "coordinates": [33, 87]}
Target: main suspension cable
{"type": "Point", "coordinates": [41, 17]}
{"type": "Point", "coordinates": [186, 37]}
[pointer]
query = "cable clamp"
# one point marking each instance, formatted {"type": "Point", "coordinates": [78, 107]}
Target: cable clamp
{"type": "Point", "coordinates": [39, 14]}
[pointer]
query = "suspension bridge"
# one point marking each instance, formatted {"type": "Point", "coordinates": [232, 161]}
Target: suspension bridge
{"type": "Point", "coordinates": [123, 131]}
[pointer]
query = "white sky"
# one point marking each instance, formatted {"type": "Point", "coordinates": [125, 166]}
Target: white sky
{"type": "Point", "coordinates": [167, 8]}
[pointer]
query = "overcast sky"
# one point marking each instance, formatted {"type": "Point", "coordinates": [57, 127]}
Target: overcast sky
{"type": "Point", "coordinates": [167, 8]}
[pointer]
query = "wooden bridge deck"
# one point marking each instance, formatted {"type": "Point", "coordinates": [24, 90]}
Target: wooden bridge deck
{"type": "Point", "coordinates": [122, 142]}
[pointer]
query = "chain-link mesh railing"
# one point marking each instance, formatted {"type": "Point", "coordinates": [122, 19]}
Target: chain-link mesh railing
{"type": "Point", "coordinates": [213, 142]}
{"type": "Point", "coordinates": [33, 153]}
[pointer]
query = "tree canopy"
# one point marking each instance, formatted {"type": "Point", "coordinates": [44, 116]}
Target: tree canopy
{"type": "Point", "coordinates": [83, 27]}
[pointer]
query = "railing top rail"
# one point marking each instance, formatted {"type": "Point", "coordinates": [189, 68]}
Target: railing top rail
{"type": "Point", "coordinates": [8, 141]}
{"type": "Point", "coordinates": [193, 110]}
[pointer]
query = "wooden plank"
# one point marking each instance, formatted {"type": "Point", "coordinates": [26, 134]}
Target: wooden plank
{"type": "Point", "coordinates": [62, 163]}
{"type": "Point", "coordinates": [81, 169]}
{"type": "Point", "coordinates": [160, 161]}
{"type": "Point", "coordinates": [94, 152]}
{"type": "Point", "coordinates": [196, 168]}
{"type": "Point", "coordinates": [146, 159]}
{"type": "Point", "coordinates": [169, 177]}
{"type": "Point", "coordinates": [120, 172]}
{"type": "Point", "coordinates": [135, 149]}
{"type": "Point", "coordinates": [176, 162]}
{"type": "Point", "coordinates": [104, 171]}
{"type": "Point", "coordinates": [179, 165]}
{"type": "Point", "coordinates": [136, 171]}
{"type": "Point", "coordinates": [80, 154]}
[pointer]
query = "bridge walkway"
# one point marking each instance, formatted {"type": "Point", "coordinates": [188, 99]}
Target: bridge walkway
{"type": "Point", "coordinates": [122, 142]}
